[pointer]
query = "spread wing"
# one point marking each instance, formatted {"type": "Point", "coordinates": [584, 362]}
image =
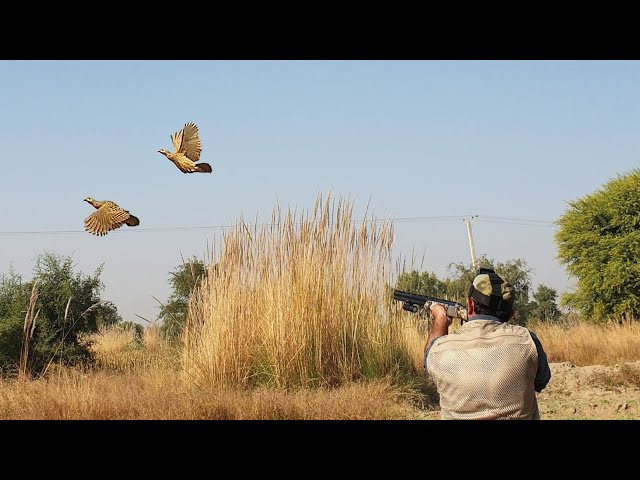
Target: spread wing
{"type": "Point", "coordinates": [176, 139]}
{"type": "Point", "coordinates": [106, 218]}
{"type": "Point", "coordinates": [187, 142]}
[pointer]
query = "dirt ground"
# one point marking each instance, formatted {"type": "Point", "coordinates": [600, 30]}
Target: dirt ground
{"type": "Point", "coordinates": [585, 393]}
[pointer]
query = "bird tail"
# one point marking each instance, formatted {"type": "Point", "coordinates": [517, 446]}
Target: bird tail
{"type": "Point", "coordinates": [204, 168]}
{"type": "Point", "coordinates": [132, 221]}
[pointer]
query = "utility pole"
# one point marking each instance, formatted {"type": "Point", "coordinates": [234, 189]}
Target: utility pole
{"type": "Point", "coordinates": [471, 247]}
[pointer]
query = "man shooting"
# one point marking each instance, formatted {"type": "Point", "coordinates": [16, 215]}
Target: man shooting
{"type": "Point", "coordinates": [488, 369]}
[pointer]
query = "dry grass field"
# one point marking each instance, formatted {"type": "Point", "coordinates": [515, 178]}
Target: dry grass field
{"type": "Point", "coordinates": [294, 322]}
{"type": "Point", "coordinates": [147, 382]}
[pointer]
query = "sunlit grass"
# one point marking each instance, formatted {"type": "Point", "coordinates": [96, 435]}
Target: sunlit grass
{"type": "Point", "coordinates": [118, 349]}
{"type": "Point", "coordinates": [76, 394]}
{"type": "Point", "coordinates": [589, 344]}
{"type": "Point", "coordinates": [299, 302]}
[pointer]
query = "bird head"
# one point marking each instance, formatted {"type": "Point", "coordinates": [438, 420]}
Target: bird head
{"type": "Point", "coordinates": [89, 200]}
{"type": "Point", "coordinates": [163, 151]}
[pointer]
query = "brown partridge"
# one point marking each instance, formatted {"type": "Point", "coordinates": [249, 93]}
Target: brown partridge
{"type": "Point", "coordinates": [108, 216]}
{"type": "Point", "coordinates": [187, 151]}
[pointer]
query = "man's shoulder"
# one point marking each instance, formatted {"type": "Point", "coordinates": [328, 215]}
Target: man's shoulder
{"type": "Point", "coordinates": [491, 328]}
{"type": "Point", "coordinates": [535, 338]}
{"type": "Point", "coordinates": [524, 331]}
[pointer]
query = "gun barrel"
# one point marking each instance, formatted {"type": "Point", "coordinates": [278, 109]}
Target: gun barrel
{"type": "Point", "coordinates": [409, 297]}
{"type": "Point", "coordinates": [422, 299]}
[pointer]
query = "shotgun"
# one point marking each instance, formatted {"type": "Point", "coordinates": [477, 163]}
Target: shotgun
{"type": "Point", "coordinates": [413, 303]}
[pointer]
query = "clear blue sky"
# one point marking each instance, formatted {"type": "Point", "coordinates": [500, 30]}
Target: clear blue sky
{"type": "Point", "coordinates": [515, 139]}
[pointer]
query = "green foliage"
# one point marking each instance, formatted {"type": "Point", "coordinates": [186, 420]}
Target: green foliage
{"type": "Point", "coordinates": [183, 280]}
{"type": "Point", "coordinates": [599, 242]}
{"type": "Point", "coordinates": [14, 297]}
{"type": "Point", "coordinates": [10, 344]}
{"type": "Point", "coordinates": [544, 307]}
{"type": "Point", "coordinates": [68, 306]}
{"type": "Point", "coordinates": [106, 314]}
{"type": "Point", "coordinates": [424, 283]}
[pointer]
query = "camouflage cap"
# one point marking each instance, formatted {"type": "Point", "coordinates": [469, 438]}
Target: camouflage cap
{"type": "Point", "coordinates": [494, 291]}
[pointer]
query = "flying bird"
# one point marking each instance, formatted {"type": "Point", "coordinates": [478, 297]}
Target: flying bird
{"type": "Point", "coordinates": [187, 151]}
{"type": "Point", "coordinates": [108, 216]}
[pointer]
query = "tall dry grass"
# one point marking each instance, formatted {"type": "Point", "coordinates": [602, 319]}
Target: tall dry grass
{"type": "Point", "coordinates": [140, 378]}
{"type": "Point", "coordinates": [588, 344]}
{"type": "Point", "coordinates": [300, 302]}
{"type": "Point", "coordinates": [118, 349]}
{"type": "Point", "coordinates": [121, 388]}
{"type": "Point", "coordinates": [27, 330]}
{"type": "Point", "coordinates": [73, 394]}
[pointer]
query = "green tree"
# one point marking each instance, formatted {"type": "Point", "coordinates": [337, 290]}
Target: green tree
{"type": "Point", "coordinates": [599, 243]}
{"type": "Point", "coordinates": [422, 283]}
{"type": "Point", "coordinates": [183, 280]}
{"type": "Point", "coordinates": [68, 306]}
{"type": "Point", "coordinates": [544, 307]}
{"type": "Point", "coordinates": [14, 297]}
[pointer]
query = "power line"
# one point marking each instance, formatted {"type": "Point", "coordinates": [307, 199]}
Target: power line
{"type": "Point", "coordinates": [485, 218]}
{"type": "Point", "coordinates": [515, 219]}
{"type": "Point", "coordinates": [532, 223]}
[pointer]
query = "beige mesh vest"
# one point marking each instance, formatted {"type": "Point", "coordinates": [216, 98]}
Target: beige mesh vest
{"type": "Point", "coordinates": [485, 370]}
